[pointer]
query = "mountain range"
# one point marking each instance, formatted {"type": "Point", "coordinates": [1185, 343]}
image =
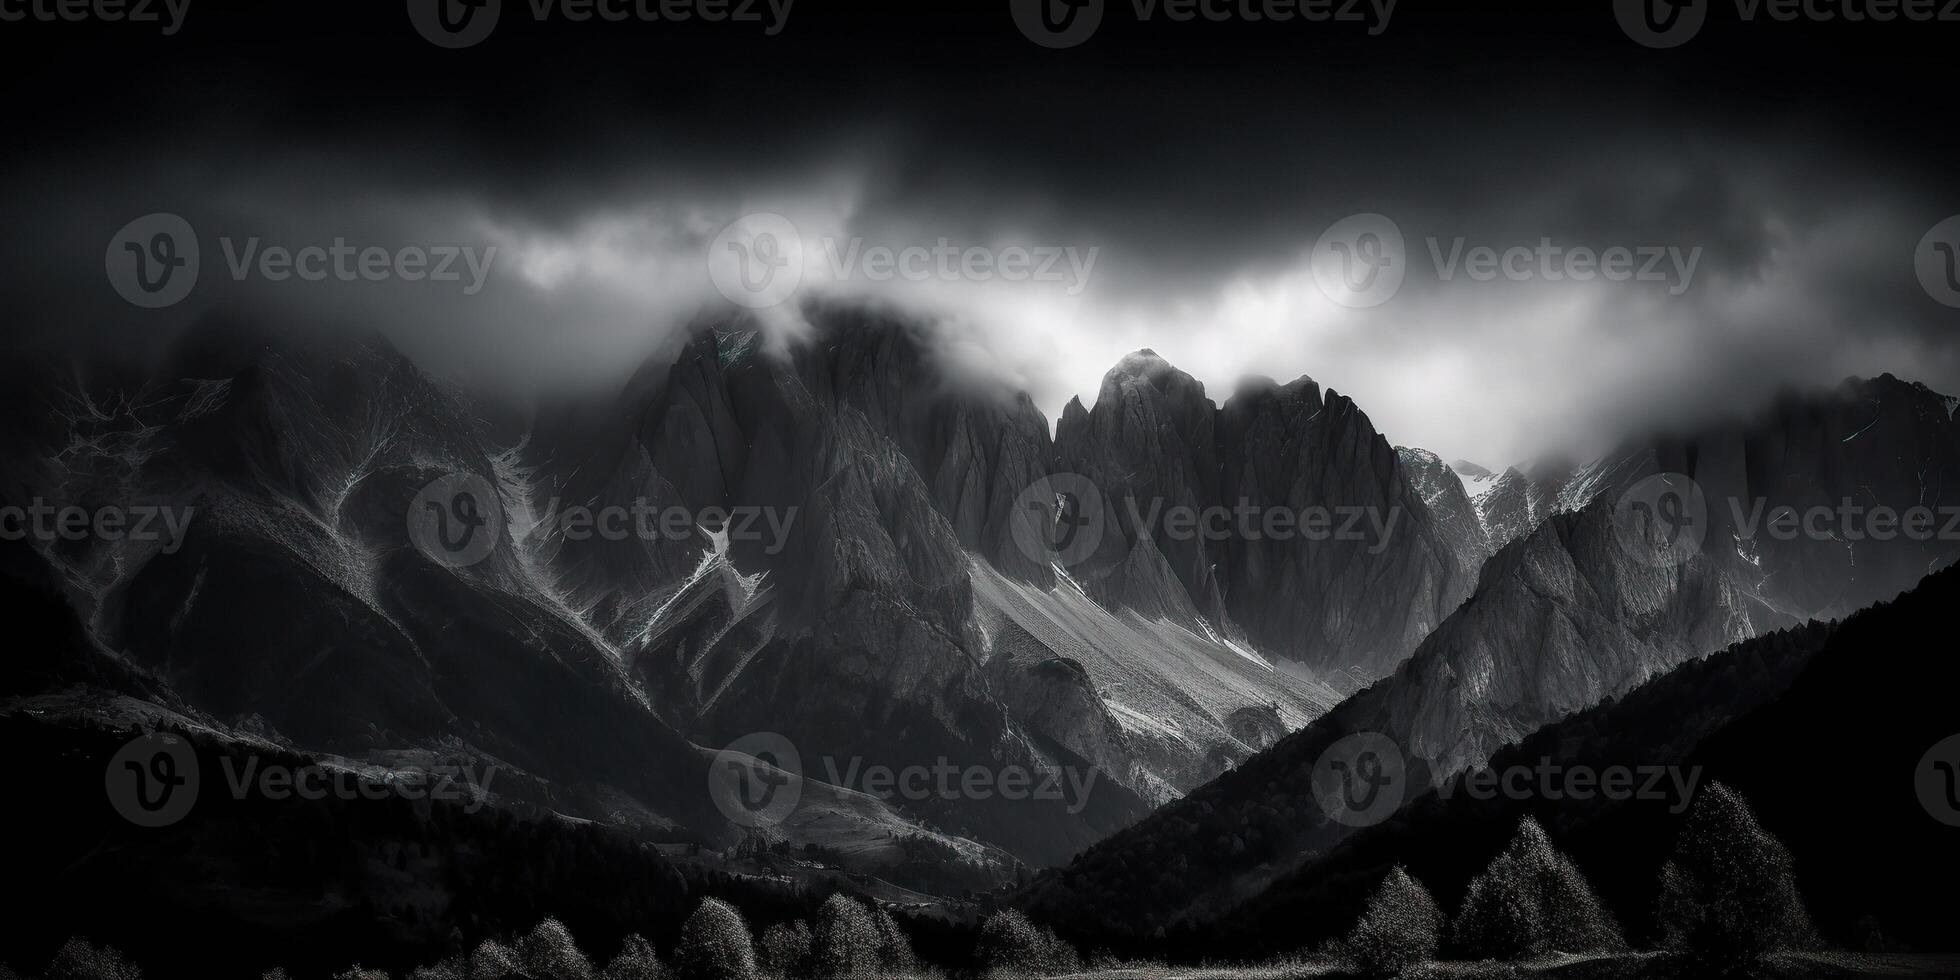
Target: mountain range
{"type": "Point", "coordinates": [1172, 603]}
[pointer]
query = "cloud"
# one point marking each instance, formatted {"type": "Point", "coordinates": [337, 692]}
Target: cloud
{"type": "Point", "coordinates": [1805, 273]}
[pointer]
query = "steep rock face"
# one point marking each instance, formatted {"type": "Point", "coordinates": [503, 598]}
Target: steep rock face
{"type": "Point", "coordinates": [296, 603]}
{"type": "Point", "coordinates": [1830, 469]}
{"type": "Point", "coordinates": [1591, 603]}
{"type": "Point", "coordinates": [1353, 576]}
{"type": "Point", "coordinates": [1586, 606]}
{"type": "Point", "coordinates": [1385, 574]}
{"type": "Point", "coordinates": [1449, 503]}
{"type": "Point", "coordinates": [975, 443]}
{"type": "Point", "coordinates": [585, 479]}
{"type": "Point", "coordinates": [1561, 620]}
{"type": "Point", "coordinates": [1056, 699]}
{"type": "Point", "coordinates": [1149, 447]}
{"type": "Point", "coordinates": [1511, 504]}
{"type": "Point", "coordinates": [875, 658]}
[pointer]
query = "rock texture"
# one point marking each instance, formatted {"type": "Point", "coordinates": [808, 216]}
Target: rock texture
{"type": "Point", "coordinates": [881, 614]}
{"type": "Point", "coordinates": [1359, 591]}
{"type": "Point", "coordinates": [1579, 610]}
{"type": "Point", "coordinates": [1449, 503]}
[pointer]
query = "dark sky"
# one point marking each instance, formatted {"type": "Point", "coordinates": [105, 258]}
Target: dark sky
{"type": "Point", "coordinates": [1201, 160]}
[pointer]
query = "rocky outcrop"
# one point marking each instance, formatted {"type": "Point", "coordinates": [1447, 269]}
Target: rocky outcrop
{"type": "Point", "coordinates": [1456, 517]}
{"type": "Point", "coordinates": [1309, 539]}
{"type": "Point", "coordinates": [1595, 600]}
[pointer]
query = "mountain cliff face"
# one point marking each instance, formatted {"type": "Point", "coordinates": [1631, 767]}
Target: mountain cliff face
{"type": "Point", "coordinates": [877, 605]}
{"type": "Point", "coordinates": [1585, 606]}
{"type": "Point", "coordinates": [1561, 620]}
{"type": "Point", "coordinates": [1358, 570]}
{"type": "Point", "coordinates": [1603, 596]}
{"type": "Point", "coordinates": [876, 601]}
{"type": "Point", "coordinates": [1449, 503]}
{"type": "Point", "coordinates": [1510, 504]}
